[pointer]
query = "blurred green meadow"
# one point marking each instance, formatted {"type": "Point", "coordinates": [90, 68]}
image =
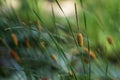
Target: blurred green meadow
{"type": "Point", "coordinates": [59, 40]}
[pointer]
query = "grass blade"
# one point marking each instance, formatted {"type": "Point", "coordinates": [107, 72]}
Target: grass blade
{"type": "Point", "coordinates": [85, 23]}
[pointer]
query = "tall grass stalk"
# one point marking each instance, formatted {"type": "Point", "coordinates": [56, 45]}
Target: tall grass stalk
{"type": "Point", "coordinates": [76, 16]}
{"type": "Point", "coordinates": [77, 22]}
{"type": "Point", "coordinates": [54, 22]}
{"type": "Point", "coordinates": [106, 71]}
{"type": "Point", "coordinates": [88, 45]}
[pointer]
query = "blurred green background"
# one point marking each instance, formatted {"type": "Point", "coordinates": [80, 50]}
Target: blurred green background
{"type": "Point", "coordinates": [102, 19]}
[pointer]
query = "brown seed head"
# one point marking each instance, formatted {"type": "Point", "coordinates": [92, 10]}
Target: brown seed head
{"type": "Point", "coordinates": [86, 60]}
{"type": "Point", "coordinates": [14, 38]}
{"type": "Point", "coordinates": [70, 73]}
{"type": "Point", "coordinates": [27, 43]}
{"type": "Point", "coordinates": [15, 55]}
{"type": "Point", "coordinates": [38, 26]}
{"type": "Point", "coordinates": [110, 40]}
{"type": "Point", "coordinates": [45, 78]}
{"type": "Point", "coordinates": [53, 57]}
{"type": "Point", "coordinates": [42, 45]}
{"type": "Point", "coordinates": [80, 39]}
{"type": "Point", "coordinates": [86, 50]}
{"type": "Point", "coordinates": [91, 53]}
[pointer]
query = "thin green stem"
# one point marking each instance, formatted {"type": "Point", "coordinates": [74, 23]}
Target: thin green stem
{"type": "Point", "coordinates": [85, 23]}
{"type": "Point", "coordinates": [76, 15]}
{"type": "Point", "coordinates": [106, 71]}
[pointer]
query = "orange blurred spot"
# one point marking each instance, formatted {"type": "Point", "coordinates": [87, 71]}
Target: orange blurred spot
{"type": "Point", "coordinates": [91, 53]}
{"type": "Point", "coordinates": [80, 39]}
{"type": "Point", "coordinates": [86, 60]}
{"type": "Point", "coordinates": [14, 38]}
{"type": "Point", "coordinates": [15, 55]}
{"type": "Point", "coordinates": [110, 40]}
{"type": "Point", "coordinates": [27, 43]}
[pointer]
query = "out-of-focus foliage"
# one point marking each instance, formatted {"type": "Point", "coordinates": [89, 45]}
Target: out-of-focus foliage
{"type": "Point", "coordinates": [44, 45]}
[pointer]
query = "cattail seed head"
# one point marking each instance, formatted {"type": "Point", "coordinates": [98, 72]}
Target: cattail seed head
{"type": "Point", "coordinates": [27, 43]}
{"type": "Point", "coordinates": [53, 57]}
{"type": "Point", "coordinates": [70, 73]}
{"type": "Point", "coordinates": [45, 78]}
{"type": "Point", "coordinates": [15, 55]}
{"type": "Point", "coordinates": [86, 50]}
{"type": "Point", "coordinates": [80, 39]}
{"type": "Point", "coordinates": [86, 60]}
{"type": "Point", "coordinates": [14, 38]}
{"type": "Point", "coordinates": [38, 26]}
{"type": "Point", "coordinates": [110, 40]}
{"type": "Point", "coordinates": [91, 53]}
{"type": "Point", "coordinates": [42, 45]}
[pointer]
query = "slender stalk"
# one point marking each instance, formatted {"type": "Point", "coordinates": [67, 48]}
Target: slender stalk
{"type": "Point", "coordinates": [76, 15]}
{"type": "Point", "coordinates": [54, 22]}
{"type": "Point", "coordinates": [79, 31]}
{"type": "Point", "coordinates": [53, 15]}
{"type": "Point", "coordinates": [106, 71]}
{"type": "Point", "coordinates": [85, 23]}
